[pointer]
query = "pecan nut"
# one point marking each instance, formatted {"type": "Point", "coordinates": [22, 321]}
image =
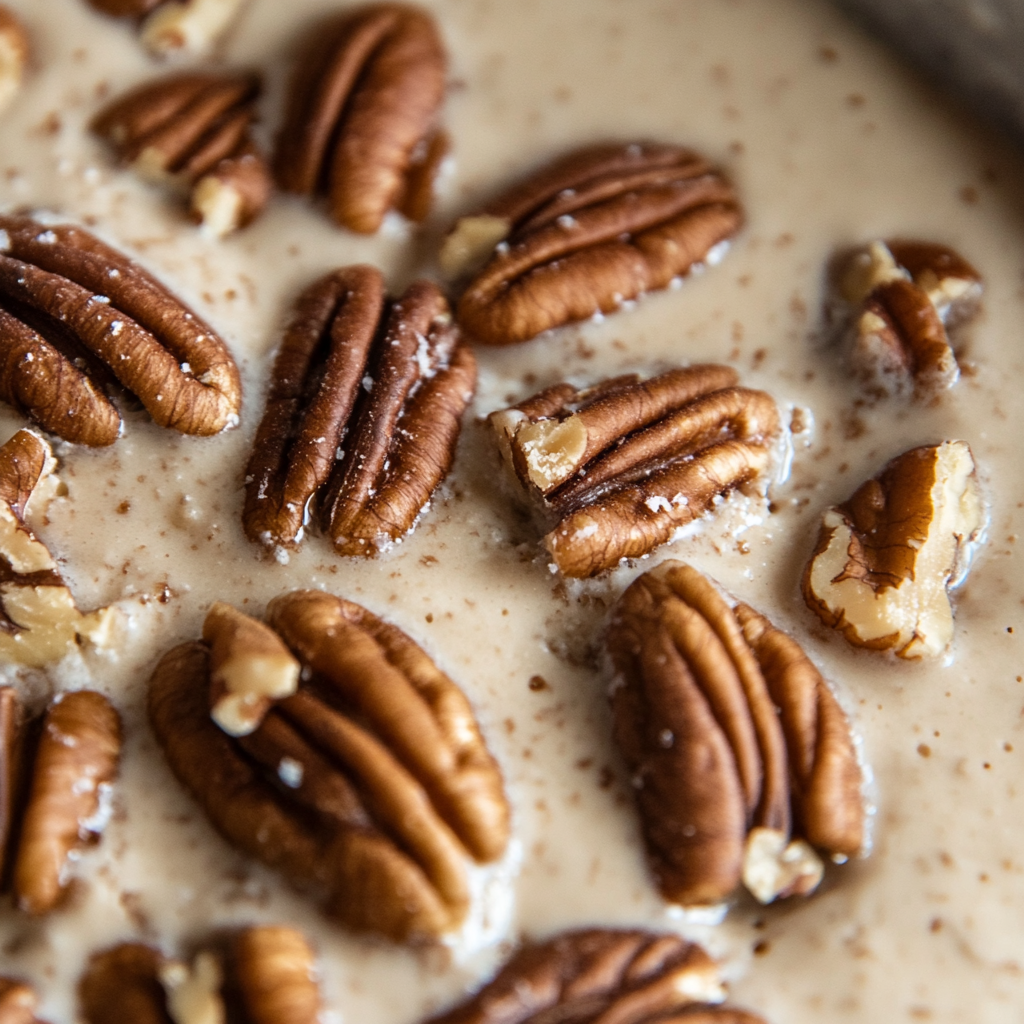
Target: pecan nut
{"type": "Point", "coordinates": [603, 974]}
{"type": "Point", "coordinates": [596, 228]}
{"type": "Point", "coordinates": [67, 298]}
{"type": "Point", "coordinates": [887, 558]}
{"type": "Point", "coordinates": [897, 303]}
{"type": "Point", "coordinates": [360, 122]}
{"type": "Point", "coordinates": [621, 466]}
{"type": "Point", "coordinates": [176, 26]}
{"type": "Point", "coordinates": [14, 55]}
{"type": "Point", "coordinates": [56, 781]}
{"type": "Point", "coordinates": [260, 975]}
{"type": "Point", "coordinates": [742, 759]}
{"type": "Point", "coordinates": [18, 1002]}
{"type": "Point", "coordinates": [193, 130]}
{"type": "Point", "coordinates": [371, 786]}
{"type": "Point", "coordinates": [363, 415]}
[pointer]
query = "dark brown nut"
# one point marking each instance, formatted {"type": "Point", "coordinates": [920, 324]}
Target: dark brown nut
{"type": "Point", "coordinates": [603, 974]}
{"type": "Point", "coordinates": [371, 786]}
{"type": "Point", "coordinates": [123, 984]}
{"type": "Point", "coordinates": [897, 302]}
{"type": "Point", "coordinates": [192, 131]}
{"type": "Point", "coordinates": [66, 297]}
{"type": "Point", "coordinates": [14, 54]}
{"type": "Point", "coordinates": [585, 234]}
{"type": "Point", "coordinates": [363, 416]}
{"type": "Point", "coordinates": [887, 558]}
{"type": "Point", "coordinates": [17, 1003]}
{"type": "Point", "coordinates": [360, 122]}
{"type": "Point", "coordinates": [176, 26]}
{"type": "Point", "coordinates": [39, 621]}
{"type": "Point", "coordinates": [620, 467]}
{"type": "Point", "coordinates": [54, 791]}
{"type": "Point", "coordinates": [743, 761]}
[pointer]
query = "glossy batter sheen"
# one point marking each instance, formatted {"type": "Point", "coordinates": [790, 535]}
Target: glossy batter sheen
{"type": "Point", "coordinates": [830, 142]}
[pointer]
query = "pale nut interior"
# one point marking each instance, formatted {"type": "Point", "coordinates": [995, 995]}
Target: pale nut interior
{"type": "Point", "coordinates": [191, 26]}
{"type": "Point", "coordinates": [219, 206]}
{"type": "Point", "coordinates": [553, 450]}
{"type": "Point", "coordinates": [13, 56]}
{"type": "Point", "coordinates": [868, 269]}
{"type": "Point", "coordinates": [193, 996]}
{"type": "Point", "coordinates": [775, 866]}
{"type": "Point", "coordinates": [471, 243]}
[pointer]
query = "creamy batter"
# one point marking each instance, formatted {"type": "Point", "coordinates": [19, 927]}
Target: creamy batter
{"type": "Point", "coordinates": [830, 142]}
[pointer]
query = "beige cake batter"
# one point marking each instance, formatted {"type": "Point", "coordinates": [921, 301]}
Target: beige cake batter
{"type": "Point", "coordinates": [830, 142]}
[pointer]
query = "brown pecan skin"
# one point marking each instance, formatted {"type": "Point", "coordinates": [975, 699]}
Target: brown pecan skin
{"type": "Point", "coordinates": [17, 1003]}
{"type": "Point", "coordinates": [124, 8]}
{"type": "Point", "coordinates": [123, 984]}
{"type": "Point", "coordinates": [361, 102]}
{"type": "Point", "coordinates": [275, 968]}
{"type": "Point", "coordinates": [596, 228]}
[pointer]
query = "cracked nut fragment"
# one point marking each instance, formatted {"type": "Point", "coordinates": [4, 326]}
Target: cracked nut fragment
{"type": "Point", "coordinates": [619, 467]}
{"type": "Point", "coordinates": [259, 975]}
{"type": "Point", "coordinates": [370, 787]}
{"type": "Point", "coordinates": [172, 27]}
{"type": "Point", "coordinates": [897, 301]}
{"type": "Point", "coordinates": [603, 974]}
{"type": "Point", "coordinates": [583, 235]}
{"type": "Point", "coordinates": [363, 415]}
{"type": "Point", "coordinates": [360, 126]}
{"type": "Point", "coordinates": [18, 1002]}
{"type": "Point", "coordinates": [56, 778]}
{"type": "Point", "coordinates": [14, 54]}
{"type": "Point", "coordinates": [192, 131]}
{"type": "Point", "coordinates": [39, 620]}
{"type": "Point", "coordinates": [76, 314]}
{"type": "Point", "coordinates": [743, 762]}
{"type": "Point", "coordinates": [887, 558]}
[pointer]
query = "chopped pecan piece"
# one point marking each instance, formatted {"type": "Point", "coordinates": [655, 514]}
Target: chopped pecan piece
{"type": "Point", "coordinates": [17, 1003]}
{"type": "Point", "coordinates": [192, 131]}
{"type": "Point", "coordinates": [363, 415]}
{"type": "Point", "coordinates": [596, 228]}
{"type": "Point", "coordinates": [55, 786]}
{"type": "Point", "coordinates": [742, 759]}
{"type": "Point", "coordinates": [360, 123]}
{"type": "Point", "coordinates": [66, 298]}
{"type": "Point", "coordinates": [262, 975]}
{"type": "Point", "coordinates": [371, 786]}
{"type": "Point", "coordinates": [621, 466]}
{"type": "Point", "coordinates": [897, 301]}
{"type": "Point", "coordinates": [887, 558]}
{"type": "Point", "coordinates": [14, 54]}
{"type": "Point", "coordinates": [176, 26]}
{"type": "Point", "coordinates": [603, 974]}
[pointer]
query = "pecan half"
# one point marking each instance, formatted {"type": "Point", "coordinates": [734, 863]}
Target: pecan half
{"type": "Point", "coordinates": [897, 302]}
{"type": "Point", "coordinates": [742, 759]}
{"type": "Point", "coordinates": [66, 298]}
{"type": "Point", "coordinates": [192, 130]}
{"type": "Point", "coordinates": [621, 466]}
{"type": "Point", "coordinates": [261, 975]}
{"type": "Point", "coordinates": [39, 621]}
{"type": "Point", "coordinates": [603, 974]}
{"type": "Point", "coordinates": [176, 26]}
{"type": "Point", "coordinates": [887, 558]}
{"type": "Point", "coordinates": [371, 786]}
{"type": "Point", "coordinates": [363, 415]}
{"type": "Point", "coordinates": [359, 127]}
{"type": "Point", "coordinates": [596, 228]}
{"type": "Point", "coordinates": [17, 1003]}
{"type": "Point", "coordinates": [55, 784]}
{"type": "Point", "coordinates": [14, 55]}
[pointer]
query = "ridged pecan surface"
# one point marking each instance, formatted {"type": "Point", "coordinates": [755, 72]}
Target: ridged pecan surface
{"type": "Point", "coordinates": [743, 761]}
{"type": "Point", "coordinates": [371, 786]}
{"type": "Point", "coordinates": [590, 231]}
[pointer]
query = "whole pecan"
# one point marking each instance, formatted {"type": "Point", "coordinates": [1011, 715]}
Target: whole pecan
{"type": "Point", "coordinates": [896, 302]}
{"type": "Point", "coordinates": [360, 122]}
{"type": "Point", "coordinates": [55, 782]}
{"type": "Point", "coordinates": [742, 759]}
{"type": "Point", "coordinates": [14, 57]}
{"type": "Point", "coordinates": [363, 415]}
{"type": "Point", "coordinates": [371, 786]}
{"type": "Point", "coordinates": [176, 26]}
{"type": "Point", "coordinates": [193, 130]}
{"type": "Point", "coordinates": [39, 621]}
{"type": "Point", "coordinates": [586, 233]}
{"type": "Point", "coordinates": [619, 467]}
{"type": "Point", "coordinates": [602, 974]}
{"type": "Point", "coordinates": [259, 975]}
{"type": "Point", "coordinates": [17, 1002]}
{"type": "Point", "coordinates": [67, 299]}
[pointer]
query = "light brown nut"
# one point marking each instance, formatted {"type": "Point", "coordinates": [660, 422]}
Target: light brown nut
{"type": "Point", "coordinates": [602, 975]}
{"type": "Point", "coordinates": [742, 759]}
{"type": "Point", "coordinates": [116, 317]}
{"type": "Point", "coordinates": [371, 786]}
{"type": "Point", "coordinates": [192, 130]}
{"type": "Point", "coordinates": [276, 972]}
{"type": "Point", "coordinates": [17, 1003]}
{"type": "Point", "coordinates": [887, 558]}
{"type": "Point", "coordinates": [363, 415]}
{"type": "Point", "coordinates": [620, 467]}
{"type": "Point", "coordinates": [124, 8]}
{"type": "Point", "coordinates": [14, 55]}
{"type": "Point", "coordinates": [590, 231]}
{"type": "Point", "coordinates": [176, 26]}
{"type": "Point", "coordinates": [56, 790]}
{"type": "Point", "coordinates": [897, 301]}
{"type": "Point", "coordinates": [361, 114]}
